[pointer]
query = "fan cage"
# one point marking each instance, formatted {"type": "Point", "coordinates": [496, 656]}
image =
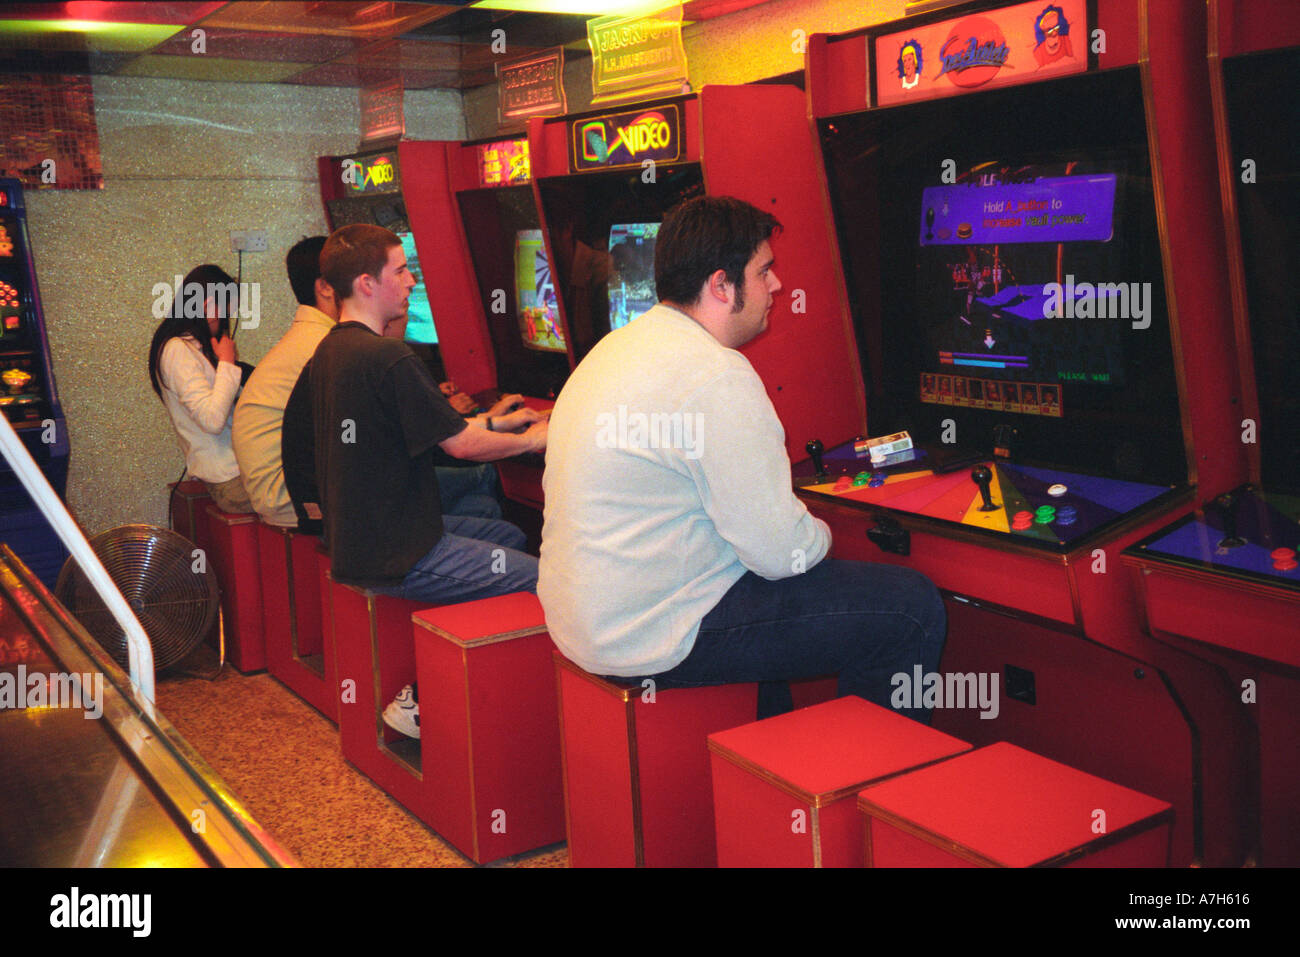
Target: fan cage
{"type": "Point", "coordinates": [166, 580]}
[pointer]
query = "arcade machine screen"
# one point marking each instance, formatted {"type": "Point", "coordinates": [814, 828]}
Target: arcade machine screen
{"type": "Point", "coordinates": [603, 231]}
{"type": "Point", "coordinates": [509, 256]}
{"type": "Point", "coordinates": [1268, 207]}
{"type": "Point", "coordinates": [632, 282]}
{"type": "Point", "coordinates": [1005, 276]}
{"type": "Point", "coordinates": [419, 314]}
{"type": "Point", "coordinates": [539, 315]}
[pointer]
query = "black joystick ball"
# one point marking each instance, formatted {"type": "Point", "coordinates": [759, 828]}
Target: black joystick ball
{"type": "Point", "coordinates": [815, 449]}
{"type": "Point", "coordinates": [981, 476]}
{"type": "Point", "coordinates": [1227, 508]}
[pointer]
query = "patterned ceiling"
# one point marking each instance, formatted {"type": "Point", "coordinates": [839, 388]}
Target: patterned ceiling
{"type": "Point", "coordinates": [446, 45]}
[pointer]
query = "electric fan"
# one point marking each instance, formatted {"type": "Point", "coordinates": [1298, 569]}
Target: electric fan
{"type": "Point", "coordinates": [170, 588]}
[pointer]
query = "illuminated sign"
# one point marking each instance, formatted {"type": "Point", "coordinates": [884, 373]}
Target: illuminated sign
{"type": "Point", "coordinates": [370, 174]}
{"type": "Point", "coordinates": [531, 87]}
{"type": "Point", "coordinates": [382, 116]}
{"type": "Point", "coordinates": [626, 139]}
{"type": "Point", "coordinates": [1020, 44]}
{"type": "Point", "coordinates": [636, 56]}
{"type": "Point", "coordinates": [504, 163]}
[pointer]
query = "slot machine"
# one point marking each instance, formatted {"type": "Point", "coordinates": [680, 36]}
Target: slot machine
{"type": "Point", "coordinates": [28, 394]}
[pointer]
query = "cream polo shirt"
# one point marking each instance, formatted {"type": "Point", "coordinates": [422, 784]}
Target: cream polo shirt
{"type": "Point", "coordinates": [666, 480]}
{"type": "Point", "coordinates": [200, 400]}
{"type": "Point", "coordinates": [259, 416]}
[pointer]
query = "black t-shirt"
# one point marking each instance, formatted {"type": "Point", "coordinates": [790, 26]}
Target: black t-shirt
{"type": "Point", "coordinates": [377, 418]}
{"type": "Point", "coordinates": [298, 453]}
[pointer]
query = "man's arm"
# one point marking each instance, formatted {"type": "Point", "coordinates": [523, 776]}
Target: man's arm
{"type": "Point", "coordinates": [741, 468]}
{"type": "Point", "coordinates": [480, 445]}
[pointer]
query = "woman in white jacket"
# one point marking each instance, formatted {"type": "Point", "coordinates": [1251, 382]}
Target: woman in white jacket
{"type": "Point", "coordinates": [194, 369]}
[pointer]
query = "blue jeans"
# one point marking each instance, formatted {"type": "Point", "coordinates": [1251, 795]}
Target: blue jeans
{"type": "Point", "coordinates": [475, 558]}
{"type": "Point", "coordinates": [469, 491]}
{"type": "Point", "coordinates": [861, 622]}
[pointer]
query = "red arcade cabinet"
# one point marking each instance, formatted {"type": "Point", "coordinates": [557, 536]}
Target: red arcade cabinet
{"type": "Point", "coordinates": [1223, 582]}
{"type": "Point", "coordinates": [367, 188]}
{"type": "Point", "coordinates": [1026, 207]}
{"type": "Point", "coordinates": [604, 181]}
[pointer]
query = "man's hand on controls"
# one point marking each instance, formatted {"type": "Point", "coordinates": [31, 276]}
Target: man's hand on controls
{"type": "Point", "coordinates": [505, 404]}
{"type": "Point", "coordinates": [515, 421]}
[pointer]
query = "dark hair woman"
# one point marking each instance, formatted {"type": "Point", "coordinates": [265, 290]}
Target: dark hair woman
{"type": "Point", "coordinates": [194, 369]}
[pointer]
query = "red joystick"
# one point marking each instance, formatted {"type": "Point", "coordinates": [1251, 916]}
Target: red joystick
{"type": "Point", "coordinates": [982, 476]}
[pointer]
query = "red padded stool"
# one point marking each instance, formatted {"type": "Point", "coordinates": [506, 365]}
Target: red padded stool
{"type": "Point", "coordinates": [1003, 806]}
{"type": "Point", "coordinates": [489, 725]}
{"type": "Point", "coordinates": [785, 789]}
{"type": "Point", "coordinates": [291, 617]}
{"type": "Point", "coordinates": [375, 659]}
{"type": "Point", "coordinates": [189, 501]}
{"type": "Point", "coordinates": [234, 554]}
{"type": "Point", "coordinates": [636, 771]}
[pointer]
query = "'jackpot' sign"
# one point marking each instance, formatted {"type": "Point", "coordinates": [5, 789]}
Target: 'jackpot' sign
{"type": "Point", "coordinates": [626, 139]}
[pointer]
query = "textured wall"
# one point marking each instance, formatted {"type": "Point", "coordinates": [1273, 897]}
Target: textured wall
{"type": "Point", "coordinates": [739, 48]}
{"type": "Point", "coordinates": [184, 164]}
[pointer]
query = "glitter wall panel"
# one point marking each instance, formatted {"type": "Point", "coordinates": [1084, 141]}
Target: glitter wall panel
{"type": "Point", "coordinates": [48, 136]}
{"type": "Point", "coordinates": [184, 164]}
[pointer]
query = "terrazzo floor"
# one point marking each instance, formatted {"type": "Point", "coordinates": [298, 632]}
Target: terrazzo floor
{"type": "Point", "coordinates": [281, 758]}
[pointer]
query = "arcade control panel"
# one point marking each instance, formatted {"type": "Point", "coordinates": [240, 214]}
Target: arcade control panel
{"type": "Point", "coordinates": [1245, 534]}
{"type": "Point", "coordinates": [1047, 508]}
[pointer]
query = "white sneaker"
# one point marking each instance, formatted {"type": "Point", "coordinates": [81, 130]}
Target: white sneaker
{"type": "Point", "coordinates": [403, 713]}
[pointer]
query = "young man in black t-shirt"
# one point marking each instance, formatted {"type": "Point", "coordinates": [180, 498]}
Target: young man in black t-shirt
{"type": "Point", "coordinates": [378, 424]}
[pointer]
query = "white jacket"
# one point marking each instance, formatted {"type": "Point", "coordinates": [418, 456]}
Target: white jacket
{"type": "Point", "coordinates": [201, 402]}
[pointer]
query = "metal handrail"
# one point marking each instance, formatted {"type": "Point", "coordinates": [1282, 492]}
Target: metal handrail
{"type": "Point", "coordinates": [139, 650]}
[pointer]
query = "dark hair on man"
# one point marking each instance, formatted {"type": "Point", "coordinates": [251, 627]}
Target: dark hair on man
{"type": "Point", "coordinates": [188, 314]}
{"type": "Point", "coordinates": [352, 251]}
{"type": "Point", "coordinates": [303, 265]}
{"type": "Point", "coordinates": [705, 234]}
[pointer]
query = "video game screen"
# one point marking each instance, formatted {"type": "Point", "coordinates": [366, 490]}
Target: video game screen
{"type": "Point", "coordinates": [632, 279]}
{"type": "Point", "coordinates": [539, 314]}
{"type": "Point", "coordinates": [1016, 279]}
{"type": "Point", "coordinates": [603, 231]}
{"type": "Point", "coordinates": [1002, 258]}
{"type": "Point", "coordinates": [419, 314]}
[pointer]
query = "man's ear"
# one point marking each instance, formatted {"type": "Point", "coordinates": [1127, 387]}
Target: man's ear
{"type": "Point", "coordinates": [365, 284]}
{"type": "Point", "coordinates": [718, 287]}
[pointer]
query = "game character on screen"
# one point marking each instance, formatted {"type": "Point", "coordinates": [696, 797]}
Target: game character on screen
{"type": "Point", "coordinates": [909, 64]}
{"type": "Point", "coordinates": [1052, 33]}
{"type": "Point", "coordinates": [674, 548]}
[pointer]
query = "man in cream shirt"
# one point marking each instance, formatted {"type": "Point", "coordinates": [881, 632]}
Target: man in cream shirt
{"type": "Point", "coordinates": [259, 415]}
{"type": "Point", "coordinates": [673, 545]}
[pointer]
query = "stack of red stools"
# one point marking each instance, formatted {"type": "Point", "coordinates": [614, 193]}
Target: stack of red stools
{"type": "Point", "coordinates": [785, 791]}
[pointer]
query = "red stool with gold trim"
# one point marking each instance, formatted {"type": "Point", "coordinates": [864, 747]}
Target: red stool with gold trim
{"type": "Point", "coordinates": [785, 789]}
{"type": "Point", "coordinates": [636, 768]}
{"type": "Point", "coordinates": [1003, 806]}
{"type": "Point", "coordinates": [291, 617]}
{"type": "Point", "coordinates": [234, 554]}
{"type": "Point", "coordinates": [489, 728]}
{"type": "Point", "coordinates": [375, 660]}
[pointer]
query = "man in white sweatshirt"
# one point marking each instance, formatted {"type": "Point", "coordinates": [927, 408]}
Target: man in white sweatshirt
{"type": "Point", "coordinates": [673, 545]}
